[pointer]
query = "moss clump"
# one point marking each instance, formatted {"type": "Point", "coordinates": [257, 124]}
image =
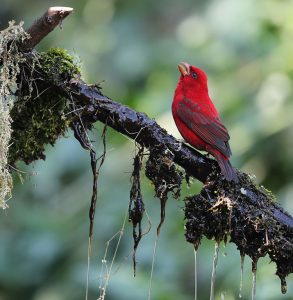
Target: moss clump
{"type": "Point", "coordinates": [163, 173]}
{"type": "Point", "coordinates": [58, 65]}
{"type": "Point", "coordinates": [246, 214]}
{"type": "Point", "coordinates": [40, 115]}
{"type": "Point", "coordinates": [268, 193]}
{"type": "Point", "coordinates": [161, 170]}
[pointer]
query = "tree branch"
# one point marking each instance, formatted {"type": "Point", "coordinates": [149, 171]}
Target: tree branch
{"type": "Point", "coordinates": [244, 211]}
{"type": "Point", "coordinates": [149, 134]}
{"type": "Point", "coordinates": [44, 25]}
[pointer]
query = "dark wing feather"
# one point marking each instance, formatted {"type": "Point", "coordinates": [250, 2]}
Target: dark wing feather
{"type": "Point", "coordinates": [212, 131]}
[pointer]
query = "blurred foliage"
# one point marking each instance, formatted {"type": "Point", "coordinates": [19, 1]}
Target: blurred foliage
{"type": "Point", "coordinates": [246, 49]}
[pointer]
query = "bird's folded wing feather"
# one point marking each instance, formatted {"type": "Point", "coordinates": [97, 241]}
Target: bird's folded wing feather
{"type": "Point", "coordinates": [210, 130]}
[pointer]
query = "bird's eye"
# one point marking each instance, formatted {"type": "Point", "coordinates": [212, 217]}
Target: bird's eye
{"type": "Point", "coordinates": [194, 75]}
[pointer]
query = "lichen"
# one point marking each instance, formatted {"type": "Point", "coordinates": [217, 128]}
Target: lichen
{"type": "Point", "coordinates": [10, 60]}
{"type": "Point", "coordinates": [33, 113]}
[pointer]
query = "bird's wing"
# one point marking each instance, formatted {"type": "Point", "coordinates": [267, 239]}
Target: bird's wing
{"type": "Point", "coordinates": [210, 130]}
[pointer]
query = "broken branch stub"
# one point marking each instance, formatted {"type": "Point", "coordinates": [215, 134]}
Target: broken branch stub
{"type": "Point", "coordinates": [44, 25]}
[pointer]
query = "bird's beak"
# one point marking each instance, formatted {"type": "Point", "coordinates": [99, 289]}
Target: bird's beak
{"type": "Point", "coordinates": [183, 68]}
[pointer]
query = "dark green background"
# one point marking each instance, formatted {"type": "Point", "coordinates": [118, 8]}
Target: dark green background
{"type": "Point", "coordinates": [246, 48]}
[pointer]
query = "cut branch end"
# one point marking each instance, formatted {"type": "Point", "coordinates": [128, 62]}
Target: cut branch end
{"type": "Point", "coordinates": [45, 24]}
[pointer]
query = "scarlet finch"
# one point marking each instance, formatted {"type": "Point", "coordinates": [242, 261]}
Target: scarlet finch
{"type": "Point", "coordinates": [198, 120]}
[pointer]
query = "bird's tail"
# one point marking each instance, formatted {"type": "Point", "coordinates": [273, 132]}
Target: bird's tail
{"type": "Point", "coordinates": [226, 168]}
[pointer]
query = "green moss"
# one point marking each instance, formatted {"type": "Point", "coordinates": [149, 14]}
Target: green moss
{"type": "Point", "coordinates": [58, 65]}
{"type": "Point", "coordinates": [268, 193]}
{"type": "Point", "coordinates": [40, 116]}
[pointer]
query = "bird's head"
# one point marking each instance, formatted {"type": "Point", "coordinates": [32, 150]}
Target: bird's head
{"type": "Point", "coordinates": [192, 77]}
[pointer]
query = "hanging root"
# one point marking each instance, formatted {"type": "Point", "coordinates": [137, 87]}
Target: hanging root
{"type": "Point", "coordinates": [136, 205]}
{"type": "Point", "coordinates": [217, 214]}
{"type": "Point", "coordinates": [80, 134]}
{"type": "Point", "coordinates": [166, 178]}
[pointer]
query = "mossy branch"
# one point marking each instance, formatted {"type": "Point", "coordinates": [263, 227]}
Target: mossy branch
{"type": "Point", "coordinates": [243, 211]}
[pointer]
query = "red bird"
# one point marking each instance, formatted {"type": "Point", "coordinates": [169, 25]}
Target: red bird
{"type": "Point", "coordinates": [198, 120]}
